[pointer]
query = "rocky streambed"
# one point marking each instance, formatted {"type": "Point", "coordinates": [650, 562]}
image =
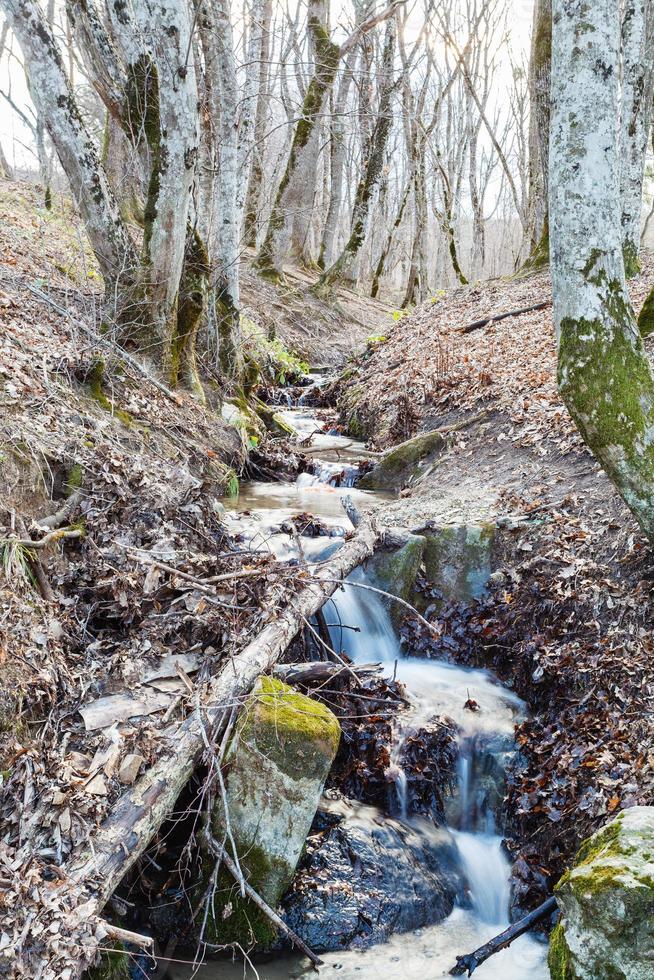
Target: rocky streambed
{"type": "Point", "coordinates": [403, 885]}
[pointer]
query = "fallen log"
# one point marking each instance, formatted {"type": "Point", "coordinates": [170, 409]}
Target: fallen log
{"type": "Point", "coordinates": [94, 874]}
{"type": "Point", "coordinates": [320, 670]}
{"type": "Point", "coordinates": [469, 963]}
{"type": "Point", "coordinates": [486, 321]}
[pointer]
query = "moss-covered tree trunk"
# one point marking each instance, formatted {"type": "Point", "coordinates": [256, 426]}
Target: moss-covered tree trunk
{"type": "Point", "coordinates": [346, 265]}
{"type": "Point", "coordinates": [604, 377]}
{"type": "Point", "coordinates": [540, 71]}
{"type": "Point", "coordinates": [274, 249]}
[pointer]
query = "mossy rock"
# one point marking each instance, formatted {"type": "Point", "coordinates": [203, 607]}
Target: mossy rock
{"type": "Point", "coordinates": [276, 764]}
{"type": "Point", "coordinates": [395, 571]}
{"type": "Point", "coordinates": [401, 464]}
{"type": "Point", "coordinates": [607, 904]}
{"type": "Point", "coordinates": [458, 560]}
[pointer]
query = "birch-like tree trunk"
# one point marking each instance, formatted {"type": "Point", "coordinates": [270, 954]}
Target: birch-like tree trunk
{"type": "Point", "coordinates": [56, 106]}
{"type": "Point", "coordinates": [173, 137]}
{"type": "Point", "coordinates": [635, 121]}
{"type": "Point", "coordinates": [540, 70]}
{"type": "Point", "coordinates": [604, 377]}
{"type": "Point", "coordinates": [222, 90]}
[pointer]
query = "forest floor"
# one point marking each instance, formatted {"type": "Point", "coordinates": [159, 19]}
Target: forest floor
{"type": "Point", "coordinates": [570, 622]}
{"type": "Point", "coordinates": [90, 444]}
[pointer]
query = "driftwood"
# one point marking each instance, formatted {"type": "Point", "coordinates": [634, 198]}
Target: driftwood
{"type": "Point", "coordinates": [93, 874]}
{"type": "Point", "coordinates": [478, 324]}
{"type": "Point", "coordinates": [320, 670]}
{"type": "Point", "coordinates": [469, 963]}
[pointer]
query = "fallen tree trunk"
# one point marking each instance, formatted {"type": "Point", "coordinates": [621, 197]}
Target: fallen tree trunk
{"type": "Point", "coordinates": [92, 877]}
{"type": "Point", "coordinates": [321, 670]}
{"type": "Point", "coordinates": [497, 317]}
{"type": "Point", "coordinates": [469, 963]}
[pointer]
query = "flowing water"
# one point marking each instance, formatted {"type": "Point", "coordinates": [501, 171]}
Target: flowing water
{"type": "Point", "coordinates": [435, 688]}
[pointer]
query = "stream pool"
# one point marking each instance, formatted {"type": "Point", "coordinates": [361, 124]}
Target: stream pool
{"type": "Point", "coordinates": [435, 688]}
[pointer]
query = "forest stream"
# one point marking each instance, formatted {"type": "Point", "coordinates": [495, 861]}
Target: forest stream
{"type": "Point", "coordinates": [436, 688]}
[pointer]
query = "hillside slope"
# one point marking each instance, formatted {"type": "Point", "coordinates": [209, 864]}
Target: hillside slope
{"type": "Point", "coordinates": [569, 618]}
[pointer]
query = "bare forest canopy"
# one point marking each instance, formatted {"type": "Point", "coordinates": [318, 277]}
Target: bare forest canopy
{"type": "Point", "coordinates": [385, 146]}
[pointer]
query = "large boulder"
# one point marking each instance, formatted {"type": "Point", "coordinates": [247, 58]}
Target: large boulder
{"type": "Point", "coordinates": [365, 877]}
{"type": "Point", "coordinates": [606, 899]}
{"type": "Point", "coordinates": [276, 764]}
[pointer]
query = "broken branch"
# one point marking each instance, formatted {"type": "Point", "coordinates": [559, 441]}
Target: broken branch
{"type": "Point", "coordinates": [469, 963]}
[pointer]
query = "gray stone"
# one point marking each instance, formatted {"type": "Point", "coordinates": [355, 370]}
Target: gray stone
{"type": "Point", "coordinates": [457, 560]}
{"type": "Point", "coordinates": [276, 765]}
{"type": "Point", "coordinates": [365, 877]}
{"type": "Point", "coordinates": [607, 901]}
{"type": "Point", "coordinates": [394, 570]}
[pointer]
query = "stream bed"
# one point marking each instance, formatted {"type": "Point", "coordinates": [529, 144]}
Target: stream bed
{"type": "Point", "coordinates": [436, 688]}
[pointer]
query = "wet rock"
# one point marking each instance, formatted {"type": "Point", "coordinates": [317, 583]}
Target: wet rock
{"type": "Point", "coordinates": [457, 559]}
{"type": "Point", "coordinates": [395, 570]}
{"type": "Point", "coordinates": [606, 899]}
{"type": "Point", "coordinates": [276, 765]}
{"type": "Point", "coordinates": [403, 463]}
{"type": "Point", "coordinates": [365, 877]}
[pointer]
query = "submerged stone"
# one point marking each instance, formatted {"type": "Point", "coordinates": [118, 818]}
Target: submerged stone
{"type": "Point", "coordinates": [399, 465]}
{"type": "Point", "coordinates": [276, 766]}
{"type": "Point", "coordinates": [607, 903]}
{"type": "Point", "coordinates": [365, 878]}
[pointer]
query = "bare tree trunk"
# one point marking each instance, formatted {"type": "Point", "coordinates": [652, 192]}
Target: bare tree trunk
{"type": "Point", "coordinates": [255, 183]}
{"type": "Point", "coordinates": [540, 70]}
{"type": "Point", "coordinates": [346, 265]}
{"type": "Point", "coordinates": [604, 376]}
{"type": "Point", "coordinates": [383, 257]}
{"type": "Point", "coordinates": [635, 121]}
{"type": "Point", "coordinates": [222, 89]}
{"type": "Point", "coordinates": [338, 155]}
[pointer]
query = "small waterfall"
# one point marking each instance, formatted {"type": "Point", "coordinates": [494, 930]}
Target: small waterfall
{"type": "Point", "coordinates": [487, 871]}
{"type": "Point", "coordinates": [485, 735]}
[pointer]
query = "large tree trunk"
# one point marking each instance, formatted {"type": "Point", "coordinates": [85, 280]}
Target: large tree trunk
{"type": "Point", "coordinates": [290, 191]}
{"type": "Point", "coordinates": [540, 71]}
{"type": "Point", "coordinates": [55, 104]}
{"type": "Point", "coordinates": [222, 91]}
{"type": "Point", "coordinates": [635, 121]}
{"type": "Point", "coordinates": [604, 376]}
{"type": "Point", "coordinates": [345, 268]}
{"type": "Point", "coordinates": [256, 178]}
{"type": "Point", "coordinates": [173, 137]}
